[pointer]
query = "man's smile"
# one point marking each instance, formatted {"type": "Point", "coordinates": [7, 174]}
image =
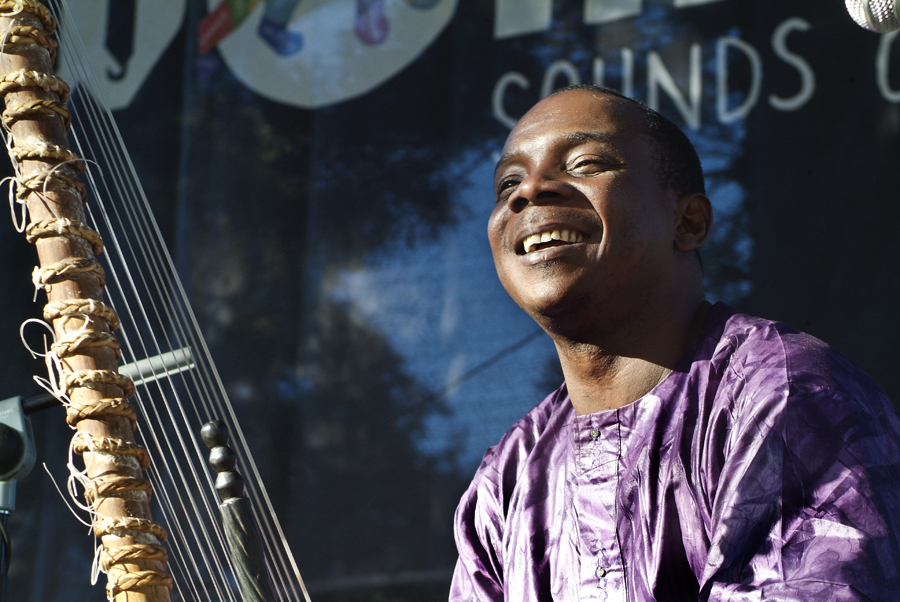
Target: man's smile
{"type": "Point", "coordinates": [551, 241]}
{"type": "Point", "coordinates": [550, 238]}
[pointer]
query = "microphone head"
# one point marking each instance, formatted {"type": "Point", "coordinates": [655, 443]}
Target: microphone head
{"type": "Point", "coordinates": [875, 15]}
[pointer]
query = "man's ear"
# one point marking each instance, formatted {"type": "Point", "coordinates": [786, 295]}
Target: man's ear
{"type": "Point", "coordinates": [694, 219]}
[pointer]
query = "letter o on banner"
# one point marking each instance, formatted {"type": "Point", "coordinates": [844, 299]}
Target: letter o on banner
{"type": "Point", "coordinates": [556, 69]}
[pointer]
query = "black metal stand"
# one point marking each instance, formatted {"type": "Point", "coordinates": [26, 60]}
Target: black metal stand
{"type": "Point", "coordinates": [5, 550]}
{"type": "Point", "coordinates": [17, 455]}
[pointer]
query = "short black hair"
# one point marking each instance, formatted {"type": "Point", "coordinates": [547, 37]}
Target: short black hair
{"type": "Point", "coordinates": [677, 162]}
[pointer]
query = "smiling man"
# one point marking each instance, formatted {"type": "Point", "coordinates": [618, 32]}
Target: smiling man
{"type": "Point", "coordinates": [693, 453]}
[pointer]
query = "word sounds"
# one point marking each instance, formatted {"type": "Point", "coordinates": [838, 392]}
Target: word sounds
{"type": "Point", "coordinates": [730, 105]}
{"type": "Point", "coordinates": [660, 81]}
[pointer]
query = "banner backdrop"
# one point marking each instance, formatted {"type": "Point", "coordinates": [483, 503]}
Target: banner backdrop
{"type": "Point", "coordinates": [322, 173]}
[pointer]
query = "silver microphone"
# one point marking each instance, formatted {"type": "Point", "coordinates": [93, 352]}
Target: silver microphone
{"type": "Point", "coordinates": [882, 16]}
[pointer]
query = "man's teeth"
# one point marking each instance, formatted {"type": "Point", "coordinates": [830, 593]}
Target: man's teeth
{"type": "Point", "coordinates": [564, 235]}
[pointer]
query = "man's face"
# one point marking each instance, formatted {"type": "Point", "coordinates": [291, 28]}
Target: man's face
{"type": "Point", "coordinates": [579, 168]}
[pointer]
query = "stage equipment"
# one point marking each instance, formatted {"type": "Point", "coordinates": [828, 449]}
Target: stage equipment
{"type": "Point", "coordinates": [882, 16]}
{"type": "Point", "coordinates": [76, 198]}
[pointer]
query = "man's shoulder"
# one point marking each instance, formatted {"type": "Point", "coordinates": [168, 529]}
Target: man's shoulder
{"type": "Point", "coordinates": [541, 426]}
{"type": "Point", "coordinates": [768, 357]}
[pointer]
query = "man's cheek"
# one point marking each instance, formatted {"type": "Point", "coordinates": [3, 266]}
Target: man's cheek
{"type": "Point", "coordinates": [497, 239]}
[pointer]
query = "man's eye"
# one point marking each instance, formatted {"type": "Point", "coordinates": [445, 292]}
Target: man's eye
{"type": "Point", "coordinates": [586, 165]}
{"type": "Point", "coordinates": [505, 187]}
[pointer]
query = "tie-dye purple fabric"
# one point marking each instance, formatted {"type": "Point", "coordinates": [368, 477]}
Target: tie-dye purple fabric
{"type": "Point", "coordinates": [764, 467]}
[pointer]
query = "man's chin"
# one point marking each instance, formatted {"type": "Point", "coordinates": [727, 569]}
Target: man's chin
{"type": "Point", "coordinates": [547, 310]}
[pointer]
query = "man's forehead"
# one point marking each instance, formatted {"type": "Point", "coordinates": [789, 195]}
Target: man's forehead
{"type": "Point", "coordinates": [577, 115]}
{"type": "Point", "coordinates": [577, 108]}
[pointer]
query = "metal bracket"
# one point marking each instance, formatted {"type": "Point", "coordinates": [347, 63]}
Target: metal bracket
{"type": "Point", "coordinates": [17, 450]}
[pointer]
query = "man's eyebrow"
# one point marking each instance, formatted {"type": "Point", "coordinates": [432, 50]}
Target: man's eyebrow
{"type": "Point", "coordinates": [504, 159]}
{"type": "Point", "coordinates": [573, 137]}
{"type": "Point", "coordinates": [592, 136]}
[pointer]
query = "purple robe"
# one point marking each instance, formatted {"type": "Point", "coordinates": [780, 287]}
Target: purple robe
{"type": "Point", "coordinates": [765, 466]}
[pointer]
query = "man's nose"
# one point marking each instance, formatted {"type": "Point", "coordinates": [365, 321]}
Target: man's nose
{"type": "Point", "coordinates": [539, 189]}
